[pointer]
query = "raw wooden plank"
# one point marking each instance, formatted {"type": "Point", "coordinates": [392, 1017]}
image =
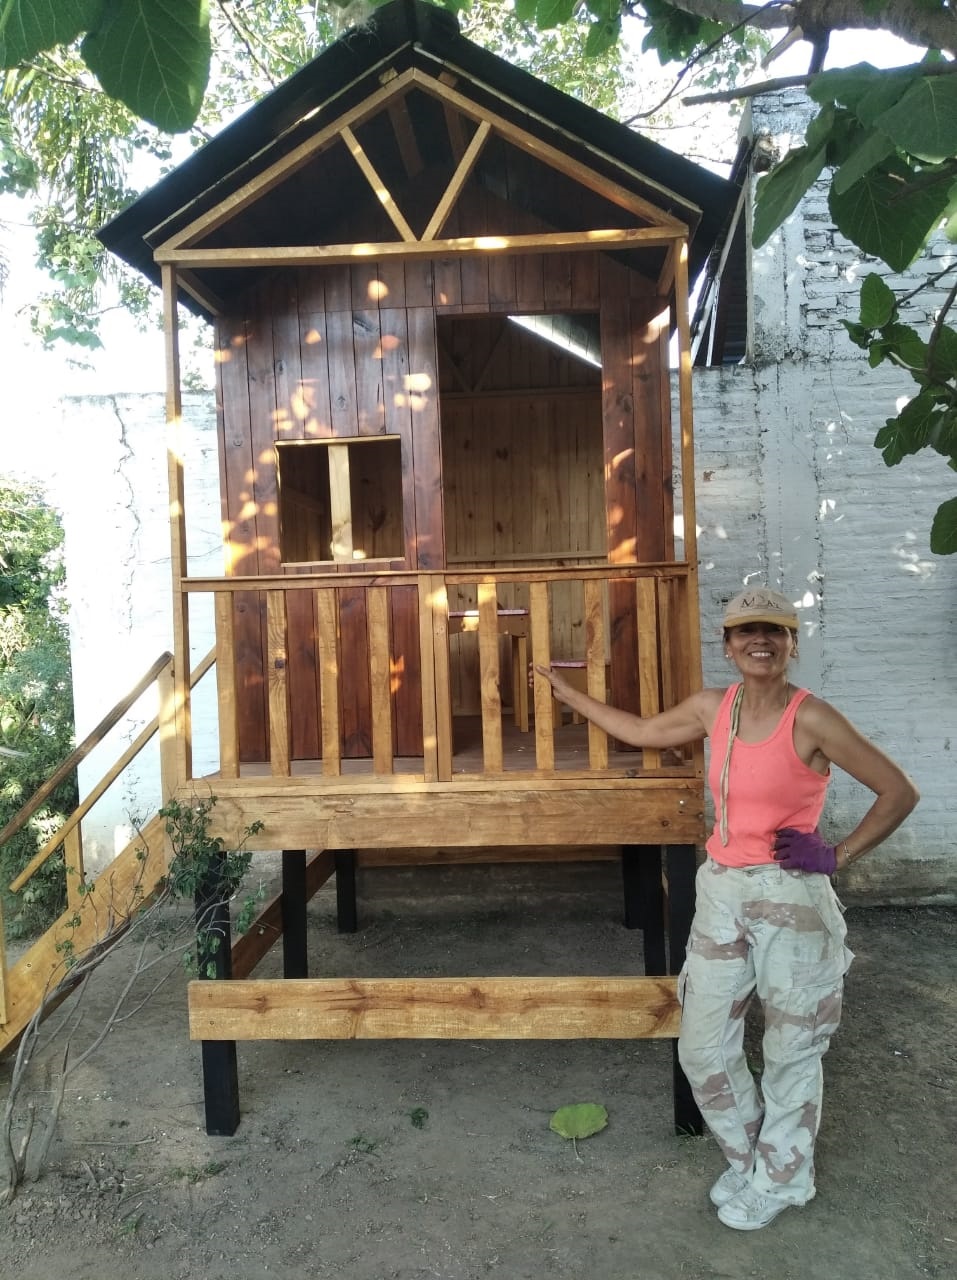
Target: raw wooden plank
{"type": "Point", "coordinates": [434, 1008]}
{"type": "Point", "coordinates": [381, 191]}
{"type": "Point", "coordinates": [430, 753]}
{"type": "Point", "coordinates": [340, 502]}
{"type": "Point", "coordinates": [489, 678]}
{"type": "Point", "coordinates": [226, 685]}
{"type": "Point", "coordinates": [651, 463]}
{"type": "Point", "coordinates": [327, 639]}
{"type": "Point", "coordinates": [595, 658]}
{"type": "Point", "coordinates": [439, 604]}
{"type": "Point", "coordinates": [377, 603]}
{"type": "Point", "coordinates": [266, 929]}
{"type": "Point", "coordinates": [648, 673]}
{"type": "Point", "coordinates": [459, 179]}
{"type": "Point", "coordinates": [278, 685]}
{"type": "Point", "coordinates": [541, 656]}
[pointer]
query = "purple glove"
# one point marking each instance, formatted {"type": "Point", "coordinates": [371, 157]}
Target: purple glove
{"type": "Point", "coordinates": [804, 851]}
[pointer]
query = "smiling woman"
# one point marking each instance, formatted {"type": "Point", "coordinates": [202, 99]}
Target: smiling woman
{"type": "Point", "coordinates": [767, 920]}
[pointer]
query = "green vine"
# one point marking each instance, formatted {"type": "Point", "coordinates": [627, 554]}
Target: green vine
{"type": "Point", "coordinates": [204, 870]}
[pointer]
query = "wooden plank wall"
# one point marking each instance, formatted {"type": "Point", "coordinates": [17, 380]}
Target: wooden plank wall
{"type": "Point", "coordinates": [339, 352]}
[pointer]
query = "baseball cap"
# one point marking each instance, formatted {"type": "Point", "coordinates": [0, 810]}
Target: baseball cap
{"type": "Point", "coordinates": [760, 604]}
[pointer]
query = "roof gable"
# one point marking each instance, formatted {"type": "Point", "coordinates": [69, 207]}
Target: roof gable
{"type": "Point", "coordinates": [404, 134]}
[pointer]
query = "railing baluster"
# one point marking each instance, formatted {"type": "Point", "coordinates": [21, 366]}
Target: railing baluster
{"type": "Point", "coordinates": [380, 677]}
{"type": "Point", "coordinates": [277, 667]}
{"type": "Point", "coordinates": [595, 660]}
{"type": "Point", "coordinates": [327, 638]}
{"type": "Point", "coordinates": [226, 685]}
{"type": "Point", "coordinates": [648, 696]}
{"type": "Point", "coordinates": [489, 677]}
{"type": "Point", "coordinates": [427, 655]}
{"type": "Point", "coordinates": [73, 860]}
{"type": "Point", "coordinates": [541, 655]}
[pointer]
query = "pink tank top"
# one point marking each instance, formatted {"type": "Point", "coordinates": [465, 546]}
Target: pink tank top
{"type": "Point", "coordinates": [769, 787]}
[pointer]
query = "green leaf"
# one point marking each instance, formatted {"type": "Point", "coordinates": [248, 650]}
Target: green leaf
{"type": "Point", "coordinates": [846, 85]}
{"type": "Point", "coordinates": [154, 56]}
{"type": "Point", "coordinates": [860, 336]}
{"type": "Point", "coordinates": [602, 36]}
{"type": "Point", "coordinates": [525, 10]}
{"type": "Point", "coordinates": [943, 531]}
{"type": "Point", "coordinates": [943, 435]}
{"type": "Point", "coordinates": [29, 26]}
{"type": "Point", "coordinates": [888, 213]}
{"type": "Point", "coordinates": [552, 13]}
{"type": "Point", "coordinates": [910, 431]}
{"type": "Point", "coordinates": [924, 121]}
{"type": "Point", "coordinates": [943, 360]}
{"type": "Point", "coordinates": [874, 148]}
{"type": "Point", "coordinates": [878, 302]}
{"type": "Point", "coordinates": [779, 192]}
{"type": "Point", "coordinates": [580, 1120]}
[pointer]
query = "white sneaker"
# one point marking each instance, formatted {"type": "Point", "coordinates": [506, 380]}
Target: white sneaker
{"type": "Point", "coordinates": [730, 1184]}
{"type": "Point", "coordinates": [749, 1210]}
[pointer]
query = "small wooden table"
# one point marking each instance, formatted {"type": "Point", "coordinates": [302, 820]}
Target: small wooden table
{"type": "Point", "coordinates": [514, 623]}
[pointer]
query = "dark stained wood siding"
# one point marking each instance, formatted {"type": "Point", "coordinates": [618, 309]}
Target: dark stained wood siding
{"type": "Point", "coordinates": [339, 353]}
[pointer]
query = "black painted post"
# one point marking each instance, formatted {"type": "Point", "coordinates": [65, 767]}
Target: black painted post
{"type": "Point", "coordinates": [220, 1071]}
{"type": "Point", "coordinates": [295, 958]}
{"type": "Point", "coordinates": [682, 867]}
{"type": "Point", "coordinates": [643, 882]}
{"type": "Point", "coordinates": [347, 915]}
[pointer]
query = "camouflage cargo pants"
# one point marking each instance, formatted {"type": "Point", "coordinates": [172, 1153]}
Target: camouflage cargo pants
{"type": "Point", "coordinates": [780, 934]}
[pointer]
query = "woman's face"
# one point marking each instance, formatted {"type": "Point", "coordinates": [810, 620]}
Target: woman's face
{"type": "Point", "coordinates": [763, 648]}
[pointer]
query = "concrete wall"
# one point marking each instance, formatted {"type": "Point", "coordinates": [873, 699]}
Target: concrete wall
{"type": "Point", "coordinates": [790, 491]}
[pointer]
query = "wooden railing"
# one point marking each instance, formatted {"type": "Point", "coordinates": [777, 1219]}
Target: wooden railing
{"type": "Point", "coordinates": [637, 623]}
{"type": "Point", "coordinates": [68, 835]}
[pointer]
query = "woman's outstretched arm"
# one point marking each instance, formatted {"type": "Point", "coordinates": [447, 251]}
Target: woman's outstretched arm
{"type": "Point", "coordinates": [689, 721]}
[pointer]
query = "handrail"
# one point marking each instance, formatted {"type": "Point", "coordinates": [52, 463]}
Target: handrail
{"type": "Point", "coordinates": [78, 754]}
{"type": "Point", "coordinates": [410, 577]}
{"type": "Point", "coordinates": [113, 773]}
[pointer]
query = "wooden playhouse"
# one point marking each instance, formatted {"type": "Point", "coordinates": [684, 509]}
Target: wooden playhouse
{"type": "Point", "coordinates": [443, 295]}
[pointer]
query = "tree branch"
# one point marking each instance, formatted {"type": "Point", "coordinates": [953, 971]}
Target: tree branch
{"type": "Point", "coordinates": [795, 82]}
{"type": "Point", "coordinates": [910, 20]}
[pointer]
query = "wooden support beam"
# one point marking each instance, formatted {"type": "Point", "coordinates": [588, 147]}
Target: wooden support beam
{"type": "Point", "coordinates": [277, 673]}
{"type": "Point", "coordinates": [380, 190]}
{"type": "Point", "coordinates": [177, 530]}
{"type": "Point", "coordinates": [686, 423]}
{"type": "Point", "coordinates": [283, 168]}
{"type": "Point", "coordinates": [574, 169]}
{"type": "Point", "coordinates": [309, 255]}
{"type": "Point", "coordinates": [459, 179]}
{"type": "Point", "coordinates": [434, 1009]}
{"type": "Point", "coordinates": [540, 618]}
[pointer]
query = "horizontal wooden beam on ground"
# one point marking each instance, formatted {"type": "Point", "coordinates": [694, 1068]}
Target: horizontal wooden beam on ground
{"type": "Point", "coordinates": [434, 1008]}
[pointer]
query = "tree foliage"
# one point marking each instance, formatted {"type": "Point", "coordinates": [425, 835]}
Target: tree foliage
{"type": "Point", "coordinates": [885, 139]}
{"type": "Point", "coordinates": [36, 700]}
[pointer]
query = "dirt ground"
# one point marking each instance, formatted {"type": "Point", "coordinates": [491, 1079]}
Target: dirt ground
{"type": "Point", "coordinates": [401, 1160]}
